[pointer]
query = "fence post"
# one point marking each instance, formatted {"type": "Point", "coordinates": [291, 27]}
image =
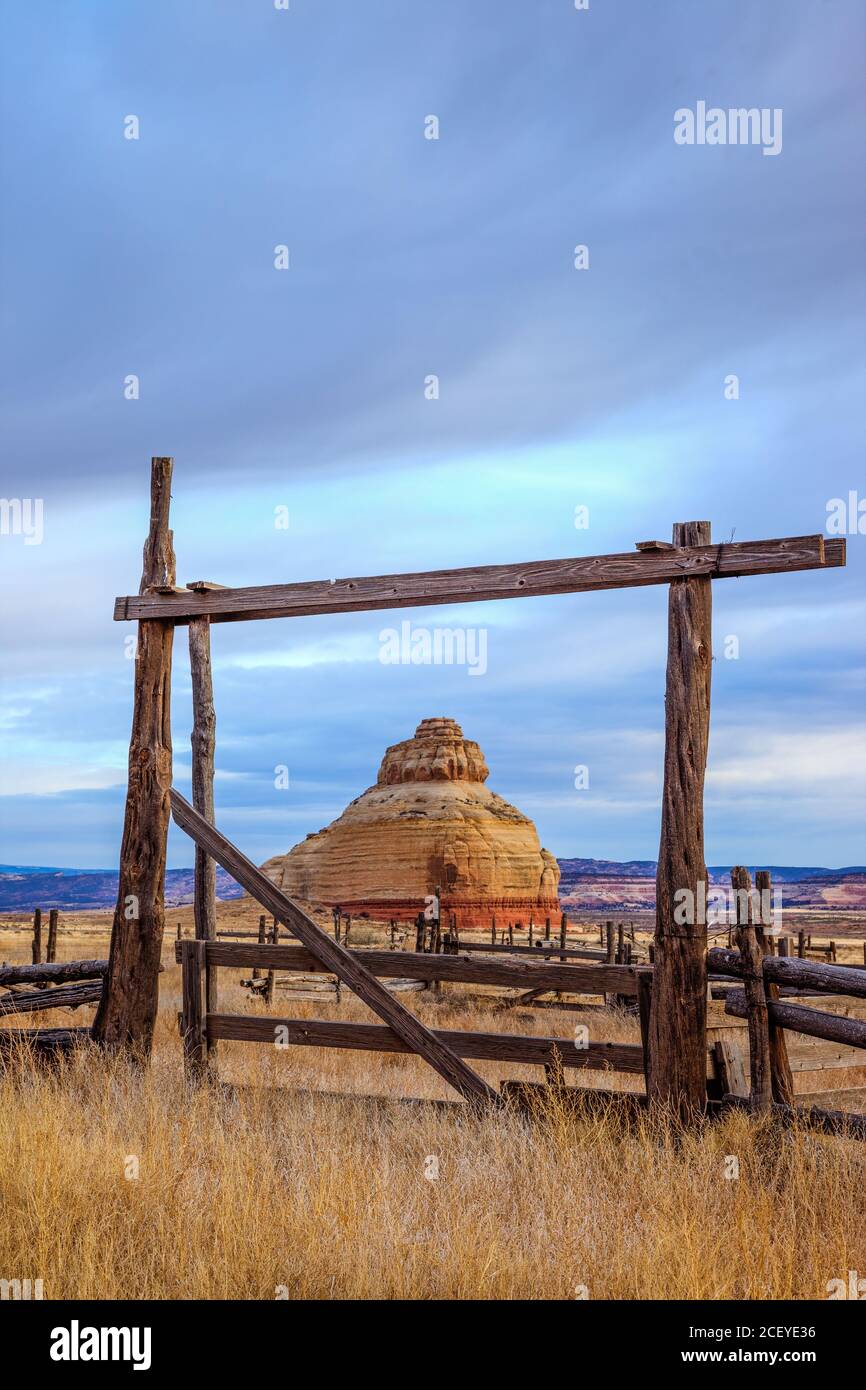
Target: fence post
{"type": "Point", "coordinates": [611, 944]}
{"type": "Point", "coordinates": [760, 1093]}
{"type": "Point", "coordinates": [51, 954]}
{"type": "Point", "coordinates": [275, 936]}
{"type": "Point", "coordinates": [192, 959]}
{"type": "Point", "coordinates": [257, 974]}
{"type": "Point", "coordinates": [780, 1068]}
{"type": "Point", "coordinates": [127, 1012]}
{"type": "Point", "coordinates": [644, 1004]}
{"type": "Point", "coordinates": [203, 741]}
{"type": "Point", "coordinates": [36, 947]}
{"type": "Point", "coordinates": [678, 1023]}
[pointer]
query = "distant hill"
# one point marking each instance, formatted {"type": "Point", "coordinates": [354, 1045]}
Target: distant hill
{"type": "Point", "coordinates": [605, 885]}
{"type": "Point", "coordinates": [646, 868]}
{"type": "Point", "coordinates": [589, 881]}
{"type": "Point", "coordinates": [23, 888]}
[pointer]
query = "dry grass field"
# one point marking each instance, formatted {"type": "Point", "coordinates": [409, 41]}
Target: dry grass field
{"type": "Point", "coordinates": [287, 1180]}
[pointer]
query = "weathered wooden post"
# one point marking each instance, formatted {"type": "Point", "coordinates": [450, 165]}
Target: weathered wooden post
{"type": "Point", "coordinates": [801, 944]}
{"type": "Point", "coordinates": [678, 1017]}
{"type": "Point", "coordinates": [127, 1011]}
{"type": "Point", "coordinates": [275, 936]}
{"type": "Point", "coordinates": [751, 952]}
{"type": "Point", "coordinates": [51, 953]}
{"type": "Point", "coordinates": [36, 945]}
{"type": "Point", "coordinates": [781, 1079]}
{"type": "Point", "coordinates": [257, 974]}
{"type": "Point", "coordinates": [611, 944]}
{"type": "Point", "coordinates": [644, 1002]}
{"type": "Point", "coordinates": [563, 936]}
{"type": "Point", "coordinates": [203, 738]}
{"type": "Point", "coordinates": [192, 955]}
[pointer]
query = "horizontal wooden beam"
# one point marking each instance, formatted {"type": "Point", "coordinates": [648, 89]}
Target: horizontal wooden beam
{"type": "Point", "coordinates": [43, 1040]}
{"type": "Point", "coordinates": [329, 953]}
{"type": "Point", "coordinates": [838, 1122]}
{"type": "Point", "coordinates": [66, 997]}
{"type": "Point", "coordinates": [412, 965]}
{"type": "Point", "coordinates": [56, 972]}
{"type": "Point", "coordinates": [374, 1037]}
{"type": "Point", "coordinates": [813, 1022]}
{"type": "Point", "coordinates": [791, 970]}
{"type": "Point", "coordinates": [578, 574]}
{"type": "Point", "coordinates": [541, 952]}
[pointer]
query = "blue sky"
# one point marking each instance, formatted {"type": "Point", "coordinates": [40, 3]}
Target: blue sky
{"type": "Point", "coordinates": [558, 388]}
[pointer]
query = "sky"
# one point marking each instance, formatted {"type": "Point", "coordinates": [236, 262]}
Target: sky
{"type": "Point", "coordinates": [432, 381]}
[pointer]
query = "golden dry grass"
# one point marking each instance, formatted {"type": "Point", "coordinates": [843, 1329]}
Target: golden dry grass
{"type": "Point", "coordinates": [268, 1182]}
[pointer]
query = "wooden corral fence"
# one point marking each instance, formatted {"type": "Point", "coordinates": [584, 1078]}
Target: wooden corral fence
{"type": "Point", "coordinates": [688, 564]}
{"type": "Point", "coordinates": [49, 985]}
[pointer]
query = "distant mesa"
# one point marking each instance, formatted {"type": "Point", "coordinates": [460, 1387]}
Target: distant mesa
{"type": "Point", "coordinates": [428, 822]}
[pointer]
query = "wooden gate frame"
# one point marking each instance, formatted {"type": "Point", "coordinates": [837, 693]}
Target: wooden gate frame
{"type": "Point", "coordinates": [688, 564]}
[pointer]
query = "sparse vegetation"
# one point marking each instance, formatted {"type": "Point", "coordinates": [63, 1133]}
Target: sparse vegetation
{"type": "Point", "coordinates": [286, 1176]}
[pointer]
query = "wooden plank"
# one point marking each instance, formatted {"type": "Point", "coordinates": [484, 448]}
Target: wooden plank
{"type": "Point", "coordinates": [732, 1067]}
{"type": "Point", "coordinates": [203, 740]}
{"type": "Point", "coordinates": [573, 575]}
{"type": "Point", "coordinates": [825, 1056]}
{"type": "Point", "coordinates": [375, 1037]}
{"type": "Point", "coordinates": [677, 1071]}
{"type": "Point", "coordinates": [538, 1100]}
{"type": "Point", "coordinates": [331, 953]}
{"type": "Point", "coordinates": [815, 1023]}
{"type": "Point", "coordinates": [790, 970]}
{"type": "Point", "coordinates": [66, 997]}
{"type": "Point", "coordinates": [127, 1013]}
{"type": "Point", "coordinates": [419, 965]}
{"type": "Point", "coordinates": [540, 952]}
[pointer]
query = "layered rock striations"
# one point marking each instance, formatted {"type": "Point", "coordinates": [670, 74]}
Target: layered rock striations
{"type": "Point", "coordinates": [428, 822]}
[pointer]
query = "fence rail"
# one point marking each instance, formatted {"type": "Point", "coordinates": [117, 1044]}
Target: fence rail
{"type": "Point", "coordinates": [414, 965]}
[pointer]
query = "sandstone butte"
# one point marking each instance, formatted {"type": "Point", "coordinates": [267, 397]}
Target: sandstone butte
{"type": "Point", "coordinates": [428, 822]}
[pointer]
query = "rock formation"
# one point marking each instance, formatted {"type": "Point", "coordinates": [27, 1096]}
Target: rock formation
{"type": "Point", "coordinates": [428, 822]}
